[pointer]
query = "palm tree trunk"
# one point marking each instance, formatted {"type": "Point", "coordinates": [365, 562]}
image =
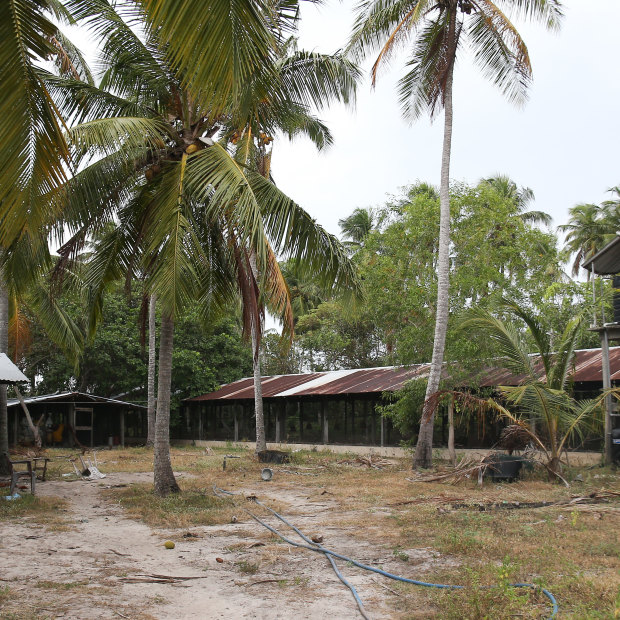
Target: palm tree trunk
{"type": "Point", "coordinates": [150, 408]}
{"type": "Point", "coordinates": [164, 480]}
{"type": "Point", "coordinates": [4, 418]}
{"type": "Point", "coordinates": [424, 449]}
{"type": "Point", "coordinates": [261, 443]}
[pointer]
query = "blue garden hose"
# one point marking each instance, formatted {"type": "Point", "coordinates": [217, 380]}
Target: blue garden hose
{"type": "Point", "coordinates": [312, 546]}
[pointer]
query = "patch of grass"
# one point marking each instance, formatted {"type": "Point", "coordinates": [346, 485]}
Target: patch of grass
{"type": "Point", "coordinates": [179, 510]}
{"type": "Point", "coordinates": [43, 510]}
{"type": "Point", "coordinates": [249, 568]}
{"type": "Point", "coordinates": [5, 594]}
{"type": "Point", "coordinates": [60, 585]}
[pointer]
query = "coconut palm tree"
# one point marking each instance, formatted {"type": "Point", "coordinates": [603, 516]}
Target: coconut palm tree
{"type": "Point", "coordinates": [611, 212]}
{"type": "Point", "coordinates": [356, 227]}
{"type": "Point", "coordinates": [520, 197]}
{"type": "Point", "coordinates": [543, 395]}
{"type": "Point", "coordinates": [585, 233]}
{"type": "Point", "coordinates": [153, 167]}
{"type": "Point", "coordinates": [436, 31]}
{"type": "Point", "coordinates": [35, 156]}
{"type": "Point", "coordinates": [278, 100]}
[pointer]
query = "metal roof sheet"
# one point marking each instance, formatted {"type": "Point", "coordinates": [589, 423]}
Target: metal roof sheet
{"type": "Point", "coordinates": [59, 396]}
{"type": "Point", "coordinates": [9, 373]}
{"type": "Point", "coordinates": [587, 368]}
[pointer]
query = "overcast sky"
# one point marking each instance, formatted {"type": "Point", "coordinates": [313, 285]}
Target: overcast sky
{"type": "Point", "coordinates": [563, 144]}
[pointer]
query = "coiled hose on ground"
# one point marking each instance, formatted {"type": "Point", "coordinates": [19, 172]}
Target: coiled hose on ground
{"type": "Point", "coordinates": [312, 546]}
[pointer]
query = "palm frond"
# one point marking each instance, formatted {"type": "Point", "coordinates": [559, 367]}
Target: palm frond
{"type": "Point", "coordinates": [499, 51]}
{"type": "Point", "coordinates": [34, 152]}
{"type": "Point", "coordinates": [69, 61]}
{"type": "Point", "coordinates": [511, 346]}
{"type": "Point", "coordinates": [375, 21]}
{"type": "Point", "coordinates": [215, 45]}
{"type": "Point", "coordinates": [314, 79]}
{"type": "Point", "coordinates": [57, 323]}
{"type": "Point", "coordinates": [131, 67]}
{"type": "Point", "coordinates": [107, 135]}
{"type": "Point", "coordinates": [169, 238]}
{"type": "Point", "coordinates": [548, 11]}
{"type": "Point", "coordinates": [82, 102]}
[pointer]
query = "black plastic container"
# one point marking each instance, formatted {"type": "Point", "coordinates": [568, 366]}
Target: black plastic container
{"type": "Point", "coordinates": [503, 466]}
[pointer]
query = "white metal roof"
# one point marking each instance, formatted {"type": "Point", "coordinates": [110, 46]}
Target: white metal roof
{"type": "Point", "coordinates": [9, 373]}
{"type": "Point", "coordinates": [66, 396]}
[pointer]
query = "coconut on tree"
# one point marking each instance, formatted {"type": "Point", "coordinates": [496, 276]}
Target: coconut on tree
{"type": "Point", "coordinates": [434, 32]}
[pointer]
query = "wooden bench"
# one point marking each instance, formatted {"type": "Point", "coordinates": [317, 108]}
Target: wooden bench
{"type": "Point", "coordinates": [29, 472]}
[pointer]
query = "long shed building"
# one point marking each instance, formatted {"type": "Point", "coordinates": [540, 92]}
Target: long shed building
{"type": "Point", "coordinates": [344, 406]}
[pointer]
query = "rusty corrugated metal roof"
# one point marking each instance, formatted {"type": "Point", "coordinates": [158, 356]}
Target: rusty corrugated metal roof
{"type": "Point", "coordinates": [587, 366]}
{"type": "Point", "coordinates": [244, 388]}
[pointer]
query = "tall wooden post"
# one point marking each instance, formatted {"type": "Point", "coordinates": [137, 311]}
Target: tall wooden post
{"type": "Point", "coordinates": [122, 428]}
{"type": "Point", "coordinates": [236, 422]}
{"type": "Point", "coordinates": [608, 402]}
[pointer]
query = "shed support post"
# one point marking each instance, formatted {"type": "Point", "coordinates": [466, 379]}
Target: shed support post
{"type": "Point", "coordinates": [325, 424]}
{"type": "Point", "coordinates": [71, 421]}
{"type": "Point", "coordinates": [373, 422]}
{"type": "Point", "coordinates": [15, 419]}
{"type": "Point", "coordinates": [608, 402]}
{"type": "Point", "coordinates": [277, 423]}
{"type": "Point", "coordinates": [382, 430]}
{"type": "Point", "coordinates": [236, 423]}
{"type": "Point", "coordinates": [122, 429]}
{"type": "Point", "coordinates": [301, 421]}
{"type": "Point", "coordinates": [200, 415]}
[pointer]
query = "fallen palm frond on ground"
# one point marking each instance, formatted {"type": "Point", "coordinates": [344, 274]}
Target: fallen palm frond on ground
{"type": "Point", "coordinates": [426, 500]}
{"type": "Point", "coordinates": [372, 460]}
{"type": "Point", "coordinates": [468, 468]}
{"type": "Point", "coordinates": [597, 497]}
{"type": "Point", "coordinates": [155, 578]}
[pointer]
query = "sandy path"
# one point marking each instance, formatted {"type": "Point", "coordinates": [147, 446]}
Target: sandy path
{"type": "Point", "coordinates": [84, 565]}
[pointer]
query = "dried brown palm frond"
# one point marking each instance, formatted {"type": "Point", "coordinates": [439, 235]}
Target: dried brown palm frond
{"type": "Point", "coordinates": [466, 400]}
{"type": "Point", "coordinates": [467, 469]}
{"type": "Point", "coordinates": [514, 437]}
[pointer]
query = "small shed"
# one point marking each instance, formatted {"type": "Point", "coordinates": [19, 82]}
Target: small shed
{"type": "Point", "coordinates": [66, 418]}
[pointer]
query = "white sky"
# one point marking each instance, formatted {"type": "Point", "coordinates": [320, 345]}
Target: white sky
{"type": "Point", "coordinates": [563, 143]}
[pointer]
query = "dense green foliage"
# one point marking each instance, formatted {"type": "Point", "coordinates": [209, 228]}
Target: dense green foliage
{"type": "Point", "coordinates": [114, 362]}
{"type": "Point", "coordinates": [497, 251]}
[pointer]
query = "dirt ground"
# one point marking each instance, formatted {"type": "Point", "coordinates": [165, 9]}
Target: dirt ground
{"type": "Point", "coordinates": [88, 550]}
{"type": "Point", "coordinates": [75, 569]}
